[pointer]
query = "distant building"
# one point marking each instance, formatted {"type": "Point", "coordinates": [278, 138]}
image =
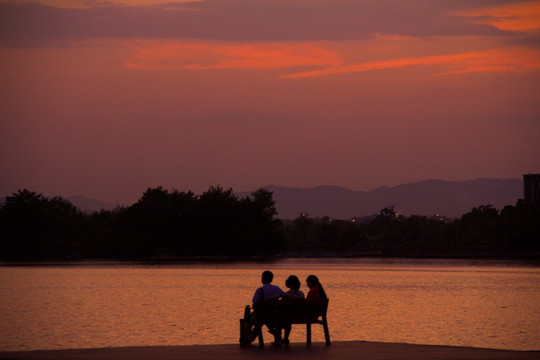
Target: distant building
{"type": "Point", "coordinates": [531, 186]}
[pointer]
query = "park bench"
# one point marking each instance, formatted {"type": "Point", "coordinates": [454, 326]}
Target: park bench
{"type": "Point", "coordinates": [282, 312]}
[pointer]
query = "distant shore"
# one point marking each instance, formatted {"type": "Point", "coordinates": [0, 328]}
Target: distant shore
{"type": "Point", "coordinates": [532, 259]}
{"type": "Point", "coordinates": [338, 350]}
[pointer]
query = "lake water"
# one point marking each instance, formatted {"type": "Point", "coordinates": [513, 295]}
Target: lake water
{"type": "Point", "coordinates": [469, 303]}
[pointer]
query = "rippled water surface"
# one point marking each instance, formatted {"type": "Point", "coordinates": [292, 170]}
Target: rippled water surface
{"type": "Point", "coordinates": [470, 303]}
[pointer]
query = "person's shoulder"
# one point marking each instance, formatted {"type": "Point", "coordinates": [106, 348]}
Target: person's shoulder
{"type": "Point", "coordinates": [296, 294]}
{"type": "Point", "coordinates": [257, 292]}
{"type": "Point", "coordinates": [313, 294]}
{"type": "Point", "coordinates": [278, 291]}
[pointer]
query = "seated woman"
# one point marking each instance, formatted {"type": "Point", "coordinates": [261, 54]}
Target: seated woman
{"type": "Point", "coordinates": [294, 293]}
{"type": "Point", "coordinates": [294, 288]}
{"type": "Point", "coordinates": [316, 290]}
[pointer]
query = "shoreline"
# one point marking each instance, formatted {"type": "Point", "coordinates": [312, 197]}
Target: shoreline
{"type": "Point", "coordinates": [531, 260]}
{"type": "Point", "coordinates": [299, 351]}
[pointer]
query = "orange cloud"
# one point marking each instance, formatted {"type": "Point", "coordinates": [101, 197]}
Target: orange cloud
{"type": "Point", "coordinates": [509, 59]}
{"type": "Point", "coordinates": [199, 55]}
{"type": "Point", "coordinates": [521, 16]}
{"type": "Point", "coordinates": [495, 60]}
{"type": "Point", "coordinates": [312, 59]}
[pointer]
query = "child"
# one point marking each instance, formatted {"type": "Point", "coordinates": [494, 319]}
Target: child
{"type": "Point", "coordinates": [294, 285]}
{"type": "Point", "coordinates": [294, 293]}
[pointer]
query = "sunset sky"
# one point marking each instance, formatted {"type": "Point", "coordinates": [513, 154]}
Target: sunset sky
{"type": "Point", "coordinates": [107, 98]}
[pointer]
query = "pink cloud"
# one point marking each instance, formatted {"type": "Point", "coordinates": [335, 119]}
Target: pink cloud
{"type": "Point", "coordinates": [513, 59]}
{"type": "Point", "coordinates": [520, 16]}
{"type": "Point", "coordinates": [203, 55]}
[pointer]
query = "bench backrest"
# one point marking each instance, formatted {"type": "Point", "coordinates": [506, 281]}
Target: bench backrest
{"type": "Point", "coordinates": [293, 310]}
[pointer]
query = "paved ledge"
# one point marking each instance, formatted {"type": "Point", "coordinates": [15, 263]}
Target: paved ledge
{"type": "Point", "coordinates": [338, 350]}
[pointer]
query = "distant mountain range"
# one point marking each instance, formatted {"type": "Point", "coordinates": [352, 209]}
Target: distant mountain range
{"type": "Point", "coordinates": [90, 205]}
{"type": "Point", "coordinates": [448, 198]}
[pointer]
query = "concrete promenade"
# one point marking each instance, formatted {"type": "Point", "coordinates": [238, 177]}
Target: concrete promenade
{"type": "Point", "coordinates": [337, 351]}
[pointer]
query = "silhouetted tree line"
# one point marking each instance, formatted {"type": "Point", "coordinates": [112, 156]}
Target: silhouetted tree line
{"type": "Point", "coordinates": [166, 223]}
{"type": "Point", "coordinates": [160, 224]}
{"type": "Point", "coordinates": [484, 232]}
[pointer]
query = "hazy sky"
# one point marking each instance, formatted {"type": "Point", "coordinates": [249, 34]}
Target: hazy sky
{"type": "Point", "coordinates": [107, 98]}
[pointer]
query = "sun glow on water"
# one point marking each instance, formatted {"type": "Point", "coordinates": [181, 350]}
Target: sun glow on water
{"type": "Point", "coordinates": [392, 301]}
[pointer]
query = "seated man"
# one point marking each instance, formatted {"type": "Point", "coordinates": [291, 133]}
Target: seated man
{"type": "Point", "coordinates": [268, 292]}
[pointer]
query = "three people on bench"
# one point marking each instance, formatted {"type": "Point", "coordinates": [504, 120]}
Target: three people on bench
{"type": "Point", "coordinates": [269, 291]}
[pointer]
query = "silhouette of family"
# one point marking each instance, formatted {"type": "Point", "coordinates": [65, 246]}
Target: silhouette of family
{"type": "Point", "coordinates": [277, 318]}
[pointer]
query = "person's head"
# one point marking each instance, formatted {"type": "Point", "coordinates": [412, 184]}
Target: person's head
{"type": "Point", "coordinates": [312, 281]}
{"type": "Point", "coordinates": [292, 282]}
{"type": "Point", "coordinates": [267, 277]}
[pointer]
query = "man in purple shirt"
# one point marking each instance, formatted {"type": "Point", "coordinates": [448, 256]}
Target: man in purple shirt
{"type": "Point", "coordinates": [267, 292]}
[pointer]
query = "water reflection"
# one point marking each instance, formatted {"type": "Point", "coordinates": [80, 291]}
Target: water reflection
{"type": "Point", "coordinates": [472, 303]}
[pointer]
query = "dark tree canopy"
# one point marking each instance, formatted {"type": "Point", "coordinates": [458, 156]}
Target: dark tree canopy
{"type": "Point", "coordinates": [164, 224]}
{"type": "Point", "coordinates": [34, 226]}
{"type": "Point", "coordinates": [161, 223]}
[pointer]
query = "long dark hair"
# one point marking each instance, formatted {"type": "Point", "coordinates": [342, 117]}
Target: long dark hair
{"type": "Point", "coordinates": [315, 280]}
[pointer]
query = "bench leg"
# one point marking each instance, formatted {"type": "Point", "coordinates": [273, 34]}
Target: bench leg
{"type": "Point", "coordinates": [326, 333]}
{"type": "Point", "coordinates": [242, 332]}
{"type": "Point", "coordinates": [308, 334]}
